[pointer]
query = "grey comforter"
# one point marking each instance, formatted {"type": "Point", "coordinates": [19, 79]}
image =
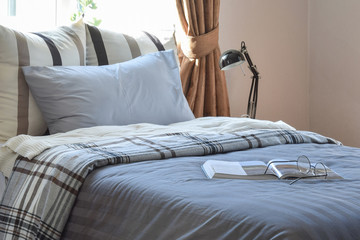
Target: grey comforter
{"type": "Point", "coordinates": [172, 199]}
{"type": "Point", "coordinates": [163, 193]}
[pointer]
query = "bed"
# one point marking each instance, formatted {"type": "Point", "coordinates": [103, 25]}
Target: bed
{"type": "Point", "coordinates": [112, 176]}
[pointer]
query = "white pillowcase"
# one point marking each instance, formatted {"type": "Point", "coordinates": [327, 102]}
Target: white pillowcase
{"type": "Point", "coordinates": [146, 89]}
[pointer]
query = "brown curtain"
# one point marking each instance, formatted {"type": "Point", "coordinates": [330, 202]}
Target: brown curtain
{"type": "Point", "coordinates": [203, 82]}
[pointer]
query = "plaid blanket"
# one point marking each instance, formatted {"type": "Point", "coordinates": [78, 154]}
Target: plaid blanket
{"type": "Point", "coordinates": [41, 191]}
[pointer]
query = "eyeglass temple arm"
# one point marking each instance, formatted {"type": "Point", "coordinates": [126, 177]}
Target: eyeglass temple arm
{"type": "Point", "coordinates": [271, 162]}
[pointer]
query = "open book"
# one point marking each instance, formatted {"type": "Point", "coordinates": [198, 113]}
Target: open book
{"type": "Point", "coordinates": [278, 169]}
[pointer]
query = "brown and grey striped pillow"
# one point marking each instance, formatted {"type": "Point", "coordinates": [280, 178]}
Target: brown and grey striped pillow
{"type": "Point", "coordinates": [19, 113]}
{"type": "Point", "coordinates": [104, 47]}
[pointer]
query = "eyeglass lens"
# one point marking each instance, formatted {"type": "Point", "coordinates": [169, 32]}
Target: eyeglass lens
{"type": "Point", "coordinates": [320, 169]}
{"type": "Point", "coordinates": [303, 164]}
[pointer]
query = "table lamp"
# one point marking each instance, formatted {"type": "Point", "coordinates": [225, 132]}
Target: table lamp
{"type": "Point", "coordinates": [232, 58]}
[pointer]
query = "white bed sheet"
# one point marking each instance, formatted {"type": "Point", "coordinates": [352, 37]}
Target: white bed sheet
{"type": "Point", "coordinates": [31, 146]}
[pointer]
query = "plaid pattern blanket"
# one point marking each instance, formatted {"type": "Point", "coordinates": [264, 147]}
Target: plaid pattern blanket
{"type": "Point", "coordinates": [41, 191]}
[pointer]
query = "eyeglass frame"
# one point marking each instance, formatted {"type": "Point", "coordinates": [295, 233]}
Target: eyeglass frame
{"type": "Point", "coordinates": [297, 161]}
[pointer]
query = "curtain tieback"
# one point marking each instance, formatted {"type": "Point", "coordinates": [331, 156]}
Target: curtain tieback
{"type": "Point", "coordinates": [199, 46]}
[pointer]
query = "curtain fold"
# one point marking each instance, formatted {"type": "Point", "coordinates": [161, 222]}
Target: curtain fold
{"type": "Point", "coordinates": [203, 82]}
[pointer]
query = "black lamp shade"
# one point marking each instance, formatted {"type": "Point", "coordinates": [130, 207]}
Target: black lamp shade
{"type": "Point", "coordinates": [231, 58]}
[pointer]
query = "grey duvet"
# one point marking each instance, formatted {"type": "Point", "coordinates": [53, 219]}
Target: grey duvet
{"type": "Point", "coordinates": [127, 183]}
{"type": "Point", "coordinates": [172, 199]}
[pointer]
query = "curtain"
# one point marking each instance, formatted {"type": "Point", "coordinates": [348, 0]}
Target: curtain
{"type": "Point", "coordinates": [203, 82]}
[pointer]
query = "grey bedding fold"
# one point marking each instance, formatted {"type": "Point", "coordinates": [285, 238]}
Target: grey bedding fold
{"type": "Point", "coordinates": [172, 199]}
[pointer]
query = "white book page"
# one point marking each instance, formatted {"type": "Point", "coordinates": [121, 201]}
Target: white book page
{"type": "Point", "coordinates": [233, 168]}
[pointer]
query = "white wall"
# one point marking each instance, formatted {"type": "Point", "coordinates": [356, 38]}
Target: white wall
{"type": "Point", "coordinates": [276, 34]}
{"type": "Point", "coordinates": [334, 55]}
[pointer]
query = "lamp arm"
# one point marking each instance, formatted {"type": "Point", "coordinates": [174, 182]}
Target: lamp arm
{"type": "Point", "coordinates": [252, 102]}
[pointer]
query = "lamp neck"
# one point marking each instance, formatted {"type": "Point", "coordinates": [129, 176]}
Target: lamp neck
{"type": "Point", "coordinates": [252, 67]}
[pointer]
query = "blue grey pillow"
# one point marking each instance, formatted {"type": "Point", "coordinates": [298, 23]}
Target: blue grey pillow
{"type": "Point", "coordinates": [146, 89]}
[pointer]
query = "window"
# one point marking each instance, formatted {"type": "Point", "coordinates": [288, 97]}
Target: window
{"type": "Point", "coordinates": [37, 15]}
{"type": "Point", "coordinates": [11, 9]}
{"type": "Point", "coordinates": [137, 14]}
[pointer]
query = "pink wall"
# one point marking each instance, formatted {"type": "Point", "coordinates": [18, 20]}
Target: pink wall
{"type": "Point", "coordinates": [275, 33]}
{"type": "Point", "coordinates": [308, 55]}
{"type": "Point", "coordinates": [334, 57]}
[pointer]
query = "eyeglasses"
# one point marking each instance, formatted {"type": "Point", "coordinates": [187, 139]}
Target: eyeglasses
{"type": "Point", "coordinates": [305, 167]}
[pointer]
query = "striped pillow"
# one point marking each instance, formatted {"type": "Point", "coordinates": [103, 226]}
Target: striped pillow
{"type": "Point", "coordinates": [19, 113]}
{"type": "Point", "coordinates": [104, 47]}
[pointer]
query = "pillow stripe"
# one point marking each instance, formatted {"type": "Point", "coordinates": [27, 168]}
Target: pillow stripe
{"type": "Point", "coordinates": [23, 89]}
{"type": "Point", "coordinates": [23, 50]}
{"type": "Point", "coordinates": [156, 41]}
{"type": "Point", "coordinates": [98, 45]}
{"type": "Point", "coordinates": [133, 45]}
{"type": "Point", "coordinates": [76, 39]}
{"type": "Point", "coordinates": [53, 49]}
